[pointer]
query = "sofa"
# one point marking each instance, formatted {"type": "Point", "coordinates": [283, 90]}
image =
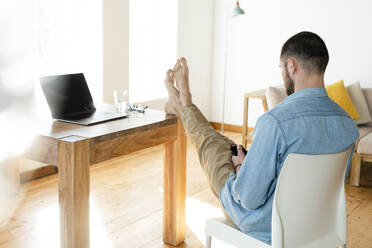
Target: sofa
{"type": "Point", "coordinates": [363, 146]}
{"type": "Point", "coordinates": [361, 99]}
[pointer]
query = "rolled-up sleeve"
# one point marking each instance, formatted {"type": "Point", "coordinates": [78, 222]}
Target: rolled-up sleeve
{"type": "Point", "coordinates": [251, 186]}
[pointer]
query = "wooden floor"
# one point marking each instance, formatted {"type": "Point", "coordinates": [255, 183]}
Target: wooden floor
{"type": "Point", "coordinates": [126, 206]}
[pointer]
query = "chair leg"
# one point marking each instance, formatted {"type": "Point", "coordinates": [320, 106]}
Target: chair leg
{"type": "Point", "coordinates": [355, 169]}
{"type": "Point", "coordinates": [208, 242]}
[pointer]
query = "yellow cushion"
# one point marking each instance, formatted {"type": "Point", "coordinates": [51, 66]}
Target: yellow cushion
{"type": "Point", "coordinates": [338, 93]}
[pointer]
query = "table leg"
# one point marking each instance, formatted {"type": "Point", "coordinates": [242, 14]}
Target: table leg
{"type": "Point", "coordinates": [245, 122]}
{"type": "Point", "coordinates": [10, 194]}
{"type": "Point", "coordinates": [174, 225]}
{"type": "Point", "coordinates": [73, 172]}
{"type": "Point", "coordinates": [14, 176]}
{"type": "Point", "coordinates": [264, 104]}
{"type": "Point", "coordinates": [355, 169]}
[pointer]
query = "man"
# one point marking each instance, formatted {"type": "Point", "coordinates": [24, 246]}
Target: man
{"type": "Point", "coordinates": [306, 122]}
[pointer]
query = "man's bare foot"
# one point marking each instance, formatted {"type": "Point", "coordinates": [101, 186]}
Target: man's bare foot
{"type": "Point", "coordinates": [173, 106]}
{"type": "Point", "coordinates": [181, 74]}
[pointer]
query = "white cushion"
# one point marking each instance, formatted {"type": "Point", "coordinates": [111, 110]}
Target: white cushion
{"type": "Point", "coordinates": [367, 92]}
{"type": "Point", "coordinates": [275, 95]}
{"type": "Point", "coordinates": [364, 130]}
{"type": "Point", "coordinates": [365, 144]}
{"type": "Point", "coordinates": [359, 101]}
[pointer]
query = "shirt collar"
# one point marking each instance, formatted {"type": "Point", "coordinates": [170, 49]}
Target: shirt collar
{"type": "Point", "coordinates": [308, 92]}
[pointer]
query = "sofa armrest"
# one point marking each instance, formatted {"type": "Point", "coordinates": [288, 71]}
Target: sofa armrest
{"type": "Point", "coordinates": [368, 96]}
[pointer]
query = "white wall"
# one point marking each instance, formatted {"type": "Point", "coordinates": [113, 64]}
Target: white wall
{"type": "Point", "coordinates": [257, 37]}
{"type": "Point", "coordinates": [195, 28]}
{"type": "Point", "coordinates": [115, 47]}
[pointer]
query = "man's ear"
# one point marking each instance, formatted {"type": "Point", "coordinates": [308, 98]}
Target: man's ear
{"type": "Point", "coordinates": [291, 66]}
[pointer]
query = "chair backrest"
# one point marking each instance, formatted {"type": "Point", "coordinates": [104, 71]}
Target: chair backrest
{"type": "Point", "coordinates": [309, 203]}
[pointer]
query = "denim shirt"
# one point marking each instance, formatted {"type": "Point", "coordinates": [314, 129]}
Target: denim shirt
{"type": "Point", "coordinates": [306, 122]}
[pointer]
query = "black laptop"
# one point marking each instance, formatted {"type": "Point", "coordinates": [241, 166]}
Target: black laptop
{"type": "Point", "coordinates": [69, 100]}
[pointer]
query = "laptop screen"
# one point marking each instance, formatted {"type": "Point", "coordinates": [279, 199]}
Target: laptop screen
{"type": "Point", "coordinates": [67, 95]}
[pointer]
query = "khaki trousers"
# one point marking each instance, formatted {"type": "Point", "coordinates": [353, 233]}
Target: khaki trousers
{"type": "Point", "coordinates": [212, 147]}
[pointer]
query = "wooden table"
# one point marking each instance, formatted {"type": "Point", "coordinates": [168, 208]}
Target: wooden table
{"type": "Point", "coordinates": [73, 148]}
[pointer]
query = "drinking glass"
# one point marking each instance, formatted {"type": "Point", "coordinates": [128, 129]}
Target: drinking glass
{"type": "Point", "coordinates": [120, 100]}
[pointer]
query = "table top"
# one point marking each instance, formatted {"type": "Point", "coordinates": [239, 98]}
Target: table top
{"type": "Point", "coordinates": [133, 123]}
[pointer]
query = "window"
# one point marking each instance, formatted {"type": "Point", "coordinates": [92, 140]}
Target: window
{"type": "Point", "coordinates": [152, 47]}
{"type": "Point", "coordinates": [70, 40]}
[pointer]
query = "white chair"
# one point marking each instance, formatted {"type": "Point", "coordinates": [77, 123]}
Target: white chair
{"type": "Point", "coordinates": [309, 208]}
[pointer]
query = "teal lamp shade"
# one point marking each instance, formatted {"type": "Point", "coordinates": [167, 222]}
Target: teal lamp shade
{"type": "Point", "coordinates": [237, 11]}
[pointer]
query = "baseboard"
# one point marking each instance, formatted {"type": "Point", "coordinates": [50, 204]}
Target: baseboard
{"type": "Point", "coordinates": [229, 127]}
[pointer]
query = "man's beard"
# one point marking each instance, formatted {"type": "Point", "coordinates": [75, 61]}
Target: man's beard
{"type": "Point", "coordinates": [288, 83]}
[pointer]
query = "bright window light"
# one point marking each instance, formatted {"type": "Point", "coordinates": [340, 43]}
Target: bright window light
{"type": "Point", "coordinates": [152, 47]}
{"type": "Point", "coordinates": [70, 40]}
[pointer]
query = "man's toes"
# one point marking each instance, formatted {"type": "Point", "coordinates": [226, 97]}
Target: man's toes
{"type": "Point", "coordinates": [183, 61]}
{"type": "Point", "coordinates": [170, 75]}
{"type": "Point", "coordinates": [184, 65]}
{"type": "Point", "coordinates": [177, 65]}
{"type": "Point", "coordinates": [167, 74]}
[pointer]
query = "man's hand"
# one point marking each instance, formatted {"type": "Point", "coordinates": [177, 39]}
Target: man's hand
{"type": "Point", "coordinates": [238, 160]}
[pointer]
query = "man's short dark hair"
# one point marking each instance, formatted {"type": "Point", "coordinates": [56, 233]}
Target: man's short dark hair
{"type": "Point", "coordinates": [309, 49]}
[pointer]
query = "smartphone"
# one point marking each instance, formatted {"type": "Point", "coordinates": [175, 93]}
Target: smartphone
{"type": "Point", "coordinates": [234, 150]}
